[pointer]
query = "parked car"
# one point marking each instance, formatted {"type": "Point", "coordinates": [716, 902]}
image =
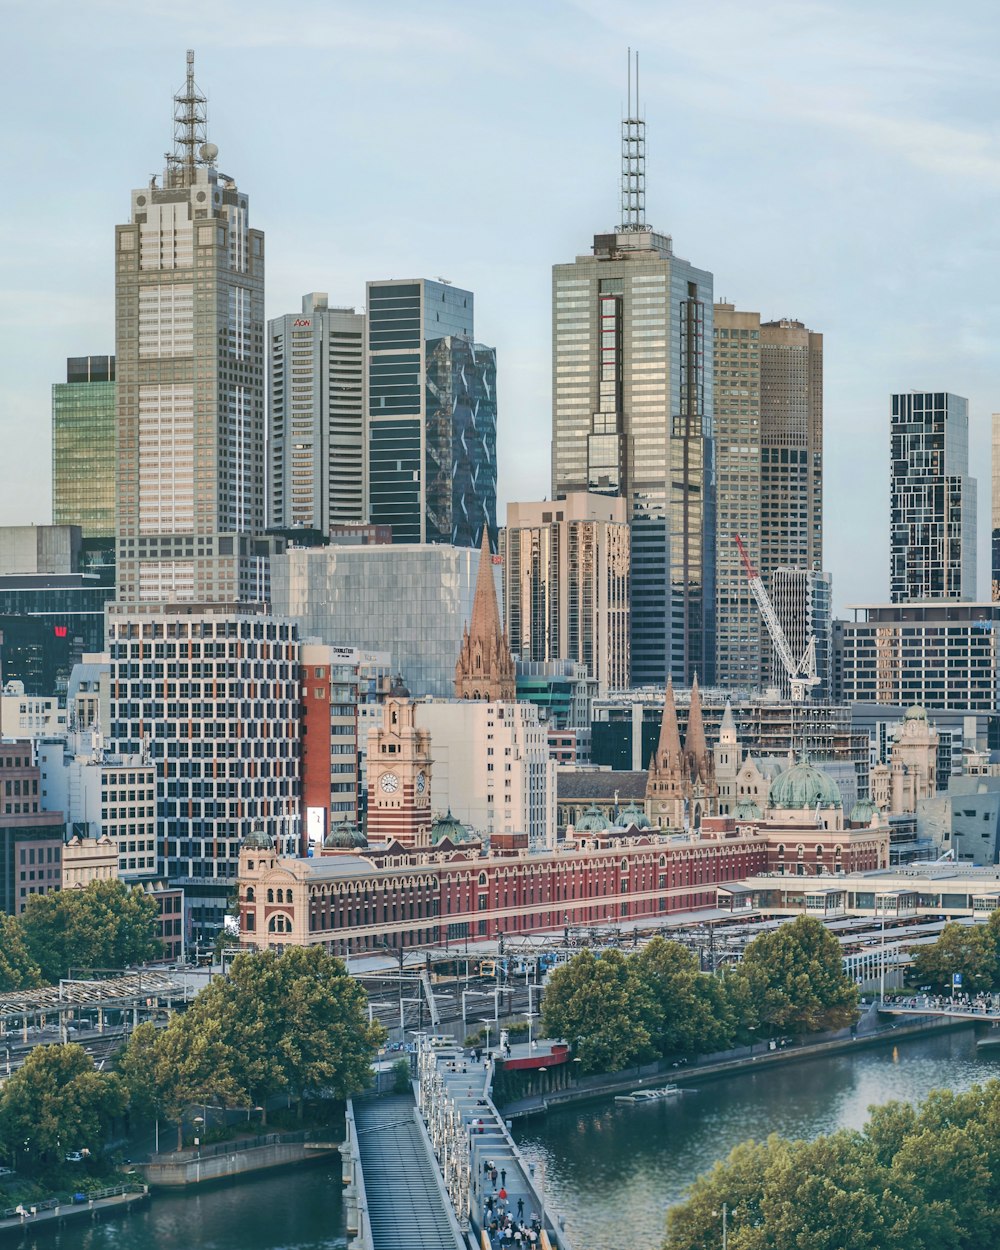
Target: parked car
{"type": "Point", "coordinates": [75, 1156]}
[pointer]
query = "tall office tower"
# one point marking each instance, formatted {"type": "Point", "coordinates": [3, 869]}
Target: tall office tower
{"type": "Point", "coordinates": [189, 310]}
{"type": "Point", "coordinates": [212, 699]}
{"type": "Point", "coordinates": [769, 474]}
{"type": "Point", "coordinates": [995, 510]}
{"type": "Point", "coordinates": [791, 446]}
{"type": "Point", "coordinates": [316, 417]}
{"type": "Point", "coordinates": [933, 537]}
{"type": "Point", "coordinates": [803, 603]}
{"type": "Point", "coordinates": [83, 446]}
{"type": "Point", "coordinates": [632, 416]}
{"type": "Point", "coordinates": [432, 415]}
{"type": "Point", "coordinates": [566, 584]}
{"type": "Point", "coordinates": [738, 499]}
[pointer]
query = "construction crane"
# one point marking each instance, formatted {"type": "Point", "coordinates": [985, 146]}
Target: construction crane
{"type": "Point", "coordinates": [802, 675]}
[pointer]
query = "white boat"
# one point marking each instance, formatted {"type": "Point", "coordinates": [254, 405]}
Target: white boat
{"type": "Point", "coordinates": [649, 1095]}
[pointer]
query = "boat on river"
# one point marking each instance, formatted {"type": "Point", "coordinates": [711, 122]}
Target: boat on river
{"type": "Point", "coordinates": [649, 1095]}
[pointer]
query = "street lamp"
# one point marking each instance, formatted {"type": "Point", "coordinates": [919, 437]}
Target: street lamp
{"type": "Point", "coordinates": [198, 1122]}
{"type": "Point", "coordinates": [489, 1025]}
{"type": "Point", "coordinates": [725, 1225]}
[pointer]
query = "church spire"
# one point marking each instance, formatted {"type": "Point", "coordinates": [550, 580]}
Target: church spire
{"type": "Point", "coordinates": [668, 749]}
{"type": "Point", "coordinates": [485, 669]}
{"type": "Point", "coordinates": [694, 741]}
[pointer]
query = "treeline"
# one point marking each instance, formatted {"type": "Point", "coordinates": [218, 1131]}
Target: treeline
{"type": "Point", "coordinates": [926, 1179]}
{"type": "Point", "coordinates": [105, 925]}
{"type": "Point", "coordinates": [619, 1010]}
{"type": "Point", "coordinates": [972, 950]}
{"type": "Point", "coordinates": [294, 1025]}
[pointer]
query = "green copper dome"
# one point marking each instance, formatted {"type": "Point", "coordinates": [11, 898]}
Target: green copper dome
{"type": "Point", "coordinates": [747, 809]}
{"type": "Point", "coordinates": [593, 820]}
{"type": "Point", "coordinates": [257, 839]}
{"type": "Point", "coordinates": [863, 812]}
{"type": "Point", "coordinates": [804, 786]}
{"type": "Point", "coordinates": [449, 827]}
{"type": "Point", "coordinates": [345, 836]}
{"type": "Point", "coordinates": [632, 816]}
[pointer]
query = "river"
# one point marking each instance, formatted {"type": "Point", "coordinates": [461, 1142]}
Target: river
{"type": "Point", "coordinates": [612, 1170]}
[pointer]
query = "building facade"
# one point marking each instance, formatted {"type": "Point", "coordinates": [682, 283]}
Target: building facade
{"type": "Point", "coordinates": [936, 655]}
{"type": "Point", "coordinates": [803, 603]}
{"type": "Point", "coordinates": [492, 768]}
{"type": "Point", "coordinates": [431, 415]}
{"type": "Point", "coordinates": [399, 777]}
{"type": "Point", "coordinates": [632, 416]}
{"type": "Point", "coordinates": [316, 417]}
{"type": "Point", "coordinates": [933, 531]}
{"type": "Point", "coordinates": [213, 699]}
{"type": "Point", "coordinates": [410, 601]}
{"type": "Point", "coordinates": [84, 417]}
{"type": "Point", "coordinates": [189, 335]}
{"type": "Point", "coordinates": [31, 839]}
{"type": "Point", "coordinates": [566, 580]}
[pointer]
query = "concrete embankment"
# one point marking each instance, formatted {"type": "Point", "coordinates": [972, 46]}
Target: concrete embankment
{"type": "Point", "coordinates": [24, 1220]}
{"type": "Point", "coordinates": [224, 1161]}
{"type": "Point", "coordinates": [718, 1067]}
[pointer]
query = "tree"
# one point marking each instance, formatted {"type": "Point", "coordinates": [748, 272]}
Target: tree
{"type": "Point", "coordinates": [601, 1007]}
{"type": "Point", "coordinates": [967, 949]}
{"type": "Point", "coordinates": [106, 925]}
{"type": "Point", "coordinates": [797, 980]}
{"type": "Point", "coordinates": [18, 971]}
{"type": "Point", "coordinates": [689, 1012]}
{"type": "Point", "coordinates": [55, 1102]}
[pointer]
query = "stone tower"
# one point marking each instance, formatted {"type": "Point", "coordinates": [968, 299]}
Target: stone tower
{"type": "Point", "coordinates": [485, 668]}
{"type": "Point", "coordinates": [399, 777]}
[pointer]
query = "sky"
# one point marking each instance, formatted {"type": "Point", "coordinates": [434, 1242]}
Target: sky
{"type": "Point", "coordinates": [838, 163]}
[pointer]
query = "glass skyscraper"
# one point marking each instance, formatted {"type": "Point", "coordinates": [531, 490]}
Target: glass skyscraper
{"type": "Point", "coordinates": [83, 446]}
{"type": "Point", "coordinates": [933, 535]}
{"type": "Point", "coordinates": [431, 415]}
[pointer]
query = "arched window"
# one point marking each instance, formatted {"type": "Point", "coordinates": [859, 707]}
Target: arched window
{"type": "Point", "coordinates": [482, 878]}
{"type": "Point", "coordinates": [251, 897]}
{"type": "Point", "coordinates": [270, 896]}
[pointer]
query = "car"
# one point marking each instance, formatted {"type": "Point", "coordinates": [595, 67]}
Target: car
{"type": "Point", "coordinates": [74, 1156]}
{"type": "Point", "coordinates": [7, 1172]}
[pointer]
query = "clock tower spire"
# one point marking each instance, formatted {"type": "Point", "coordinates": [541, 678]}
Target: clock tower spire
{"type": "Point", "coordinates": [399, 777]}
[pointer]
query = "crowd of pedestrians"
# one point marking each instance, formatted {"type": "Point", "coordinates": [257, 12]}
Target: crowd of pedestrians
{"type": "Point", "coordinates": [503, 1220]}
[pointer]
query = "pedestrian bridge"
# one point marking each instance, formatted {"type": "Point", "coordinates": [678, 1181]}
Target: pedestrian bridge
{"type": "Point", "coordinates": [958, 1012]}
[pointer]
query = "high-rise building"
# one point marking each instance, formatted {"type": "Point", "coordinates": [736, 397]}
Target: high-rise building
{"type": "Point", "coordinates": [995, 512]}
{"type": "Point", "coordinates": [769, 474]}
{"type": "Point", "coordinates": [432, 415]}
{"type": "Point", "coordinates": [803, 604]}
{"type": "Point", "coordinates": [83, 446]}
{"type": "Point", "coordinates": [933, 535]}
{"type": "Point", "coordinates": [212, 698]}
{"type": "Point", "coordinates": [412, 601]}
{"type": "Point", "coordinates": [566, 573]}
{"type": "Point", "coordinates": [316, 417]}
{"type": "Point", "coordinates": [189, 311]}
{"type": "Point", "coordinates": [632, 416]}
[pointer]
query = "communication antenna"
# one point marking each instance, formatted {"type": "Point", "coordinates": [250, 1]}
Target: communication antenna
{"type": "Point", "coordinates": [633, 158]}
{"type": "Point", "coordinates": [190, 137]}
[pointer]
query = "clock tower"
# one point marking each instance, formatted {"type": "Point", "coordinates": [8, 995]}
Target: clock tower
{"type": "Point", "coordinates": [399, 777]}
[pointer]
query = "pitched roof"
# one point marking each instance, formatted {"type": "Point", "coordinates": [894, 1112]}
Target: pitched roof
{"type": "Point", "coordinates": [577, 786]}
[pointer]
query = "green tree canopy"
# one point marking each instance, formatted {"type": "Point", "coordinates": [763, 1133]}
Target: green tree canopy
{"type": "Point", "coordinates": [689, 1012]}
{"type": "Point", "coordinates": [797, 979]}
{"type": "Point", "coordinates": [18, 971]}
{"type": "Point", "coordinates": [106, 925]}
{"type": "Point", "coordinates": [601, 1007]}
{"type": "Point", "coordinates": [56, 1102]}
{"type": "Point", "coordinates": [971, 950]}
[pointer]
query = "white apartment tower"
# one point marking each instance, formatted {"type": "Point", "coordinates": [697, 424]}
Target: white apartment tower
{"type": "Point", "coordinates": [189, 312]}
{"type": "Point", "coordinates": [316, 416]}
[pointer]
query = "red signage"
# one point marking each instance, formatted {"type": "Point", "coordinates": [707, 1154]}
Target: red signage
{"type": "Point", "coordinates": [61, 630]}
{"type": "Point", "coordinates": [301, 322]}
{"type": "Point", "coordinates": [497, 559]}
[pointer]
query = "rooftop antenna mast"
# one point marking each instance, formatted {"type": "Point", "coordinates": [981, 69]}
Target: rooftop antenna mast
{"type": "Point", "coordinates": [190, 122]}
{"type": "Point", "coordinates": [633, 158]}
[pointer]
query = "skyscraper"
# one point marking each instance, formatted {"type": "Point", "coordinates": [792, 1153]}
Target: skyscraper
{"type": "Point", "coordinates": [933, 535]}
{"type": "Point", "coordinates": [432, 414]}
{"type": "Point", "coordinates": [316, 416]}
{"type": "Point", "coordinates": [566, 584]}
{"type": "Point", "coordinates": [189, 304]}
{"type": "Point", "coordinates": [769, 465]}
{"type": "Point", "coordinates": [83, 446]}
{"type": "Point", "coordinates": [803, 603]}
{"type": "Point", "coordinates": [632, 416]}
{"type": "Point", "coordinates": [995, 512]}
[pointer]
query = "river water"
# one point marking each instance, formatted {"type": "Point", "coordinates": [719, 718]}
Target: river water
{"type": "Point", "coordinates": [612, 1170]}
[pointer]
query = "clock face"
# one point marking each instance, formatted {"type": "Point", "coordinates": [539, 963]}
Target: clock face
{"type": "Point", "coordinates": [421, 782]}
{"type": "Point", "coordinates": [389, 783]}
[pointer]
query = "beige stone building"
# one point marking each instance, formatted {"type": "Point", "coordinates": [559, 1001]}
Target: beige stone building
{"type": "Point", "coordinates": [88, 859]}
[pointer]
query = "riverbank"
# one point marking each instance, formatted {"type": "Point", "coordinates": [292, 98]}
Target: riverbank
{"type": "Point", "coordinates": [26, 1219]}
{"type": "Point", "coordinates": [718, 1067]}
{"type": "Point", "coordinates": [225, 1161]}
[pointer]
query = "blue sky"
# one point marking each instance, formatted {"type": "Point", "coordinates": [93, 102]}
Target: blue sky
{"type": "Point", "coordinates": [835, 162]}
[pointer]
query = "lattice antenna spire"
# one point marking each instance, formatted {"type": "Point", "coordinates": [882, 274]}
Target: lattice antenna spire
{"type": "Point", "coordinates": [633, 158]}
{"type": "Point", "coordinates": [190, 129]}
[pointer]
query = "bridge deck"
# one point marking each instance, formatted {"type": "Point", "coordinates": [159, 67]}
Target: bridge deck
{"type": "Point", "coordinates": [406, 1207]}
